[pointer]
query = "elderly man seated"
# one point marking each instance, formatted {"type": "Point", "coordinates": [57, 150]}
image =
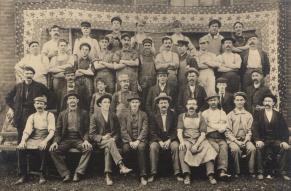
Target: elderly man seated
{"type": "Point", "coordinates": [39, 130]}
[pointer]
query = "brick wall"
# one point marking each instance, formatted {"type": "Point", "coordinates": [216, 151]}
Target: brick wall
{"type": "Point", "coordinates": [7, 47]}
{"type": "Point", "coordinates": [288, 64]}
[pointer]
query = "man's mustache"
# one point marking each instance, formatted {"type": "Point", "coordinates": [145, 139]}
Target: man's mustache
{"type": "Point", "coordinates": [29, 78]}
{"type": "Point", "coordinates": [164, 107]}
{"type": "Point", "coordinates": [252, 43]}
{"type": "Point", "coordinates": [38, 107]}
{"type": "Point", "coordinates": [227, 46]}
{"type": "Point", "coordinates": [191, 108]}
{"type": "Point", "coordinates": [168, 46]}
{"type": "Point", "coordinates": [268, 105]}
{"type": "Point", "coordinates": [56, 34]}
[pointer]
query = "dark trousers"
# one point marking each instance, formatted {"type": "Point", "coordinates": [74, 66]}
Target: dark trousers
{"type": "Point", "coordinates": [155, 149]}
{"type": "Point", "coordinates": [271, 157]}
{"type": "Point", "coordinates": [59, 156]}
{"type": "Point", "coordinates": [22, 160]}
{"type": "Point", "coordinates": [141, 156]}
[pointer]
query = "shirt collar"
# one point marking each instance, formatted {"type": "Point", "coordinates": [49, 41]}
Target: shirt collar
{"type": "Point", "coordinates": [191, 116]}
{"type": "Point", "coordinates": [236, 111]}
{"type": "Point", "coordinates": [215, 36]}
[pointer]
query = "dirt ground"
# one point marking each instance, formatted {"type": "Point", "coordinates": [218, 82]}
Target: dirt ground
{"type": "Point", "coordinates": [95, 181]}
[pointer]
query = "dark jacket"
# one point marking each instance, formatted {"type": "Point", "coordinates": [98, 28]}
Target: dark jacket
{"type": "Point", "coordinates": [277, 123]}
{"type": "Point", "coordinates": [264, 60]}
{"type": "Point", "coordinates": [185, 93]}
{"type": "Point", "coordinates": [126, 129]}
{"type": "Point", "coordinates": [82, 125]}
{"type": "Point", "coordinates": [15, 99]}
{"type": "Point", "coordinates": [255, 96]}
{"type": "Point", "coordinates": [157, 132]}
{"type": "Point", "coordinates": [97, 126]}
{"type": "Point", "coordinates": [155, 91]}
{"type": "Point", "coordinates": [227, 103]}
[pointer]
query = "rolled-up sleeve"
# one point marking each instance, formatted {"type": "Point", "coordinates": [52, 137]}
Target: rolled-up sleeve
{"type": "Point", "coordinates": [29, 126]}
{"type": "Point", "coordinates": [51, 123]}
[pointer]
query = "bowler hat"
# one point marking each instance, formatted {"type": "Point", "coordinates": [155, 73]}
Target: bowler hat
{"type": "Point", "coordinates": [106, 95]}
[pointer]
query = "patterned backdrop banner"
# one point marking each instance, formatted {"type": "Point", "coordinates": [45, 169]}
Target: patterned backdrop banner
{"type": "Point", "coordinates": [34, 18]}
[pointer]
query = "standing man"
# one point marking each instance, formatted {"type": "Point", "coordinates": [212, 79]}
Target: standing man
{"type": "Point", "coordinates": [207, 62]}
{"type": "Point", "coordinates": [213, 37]}
{"type": "Point", "coordinates": [163, 136]}
{"type": "Point", "coordinates": [239, 134]}
{"type": "Point", "coordinates": [100, 91]}
{"type": "Point", "coordinates": [194, 149]}
{"type": "Point", "coordinates": [239, 37]}
{"type": "Point", "coordinates": [169, 60]}
{"type": "Point", "coordinates": [147, 71]}
{"type": "Point", "coordinates": [85, 38]}
{"type": "Point", "coordinates": [72, 131]}
{"type": "Point", "coordinates": [186, 61]}
{"type": "Point", "coordinates": [161, 86]}
{"type": "Point", "coordinates": [134, 134]}
{"type": "Point", "coordinates": [115, 35]}
{"type": "Point", "coordinates": [104, 130]}
{"type": "Point", "coordinates": [178, 28]}
{"type": "Point", "coordinates": [229, 65]}
{"type": "Point", "coordinates": [84, 74]}
{"type": "Point", "coordinates": [103, 65]}
{"type": "Point", "coordinates": [192, 90]}
{"type": "Point", "coordinates": [37, 61]}
{"type": "Point", "coordinates": [126, 62]}
{"type": "Point", "coordinates": [39, 130]}
{"type": "Point", "coordinates": [256, 92]}
{"type": "Point", "coordinates": [225, 97]}
{"type": "Point", "coordinates": [20, 100]}
{"type": "Point", "coordinates": [119, 99]}
{"type": "Point", "coordinates": [50, 48]}
{"type": "Point", "coordinates": [271, 136]}
{"type": "Point", "coordinates": [216, 121]}
{"type": "Point", "coordinates": [253, 59]}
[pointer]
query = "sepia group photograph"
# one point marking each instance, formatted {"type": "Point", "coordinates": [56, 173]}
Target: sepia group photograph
{"type": "Point", "coordinates": [145, 95]}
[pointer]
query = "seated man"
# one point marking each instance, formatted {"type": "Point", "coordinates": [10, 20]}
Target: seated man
{"type": "Point", "coordinates": [39, 130]}
{"type": "Point", "coordinates": [216, 121]}
{"type": "Point", "coordinates": [134, 134]}
{"type": "Point", "coordinates": [104, 130]}
{"type": "Point", "coordinates": [194, 147]}
{"type": "Point", "coordinates": [163, 136]}
{"type": "Point", "coordinates": [72, 131]}
{"type": "Point", "coordinates": [271, 135]}
{"type": "Point", "coordinates": [239, 133]}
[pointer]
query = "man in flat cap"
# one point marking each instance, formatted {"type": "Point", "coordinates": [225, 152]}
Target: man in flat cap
{"type": "Point", "coordinates": [119, 103]}
{"type": "Point", "coordinates": [103, 65]}
{"type": "Point", "coordinates": [147, 71]}
{"type": "Point", "coordinates": [191, 90]}
{"type": "Point", "coordinates": [72, 131]}
{"type": "Point", "coordinates": [37, 61]}
{"type": "Point", "coordinates": [115, 35]}
{"type": "Point", "coordinates": [167, 59]}
{"type": "Point", "coordinates": [39, 130]}
{"type": "Point", "coordinates": [140, 35]}
{"type": "Point", "coordinates": [239, 134]}
{"type": "Point", "coordinates": [270, 133]}
{"type": "Point", "coordinates": [105, 132]}
{"type": "Point", "coordinates": [134, 134]}
{"type": "Point", "coordinates": [252, 59]}
{"type": "Point", "coordinates": [84, 74]}
{"type": "Point", "coordinates": [213, 37]}
{"type": "Point", "coordinates": [194, 149]}
{"type": "Point", "coordinates": [154, 91]}
{"type": "Point", "coordinates": [256, 91]}
{"type": "Point", "coordinates": [229, 65]}
{"type": "Point", "coordinates": [20, 100]}
{"type": "Point", "coordinates": [207, 62]}
{"type": "Point", "coordinates": [163, 136]}
{"type": "Point", "coordinates": [217, 123]}
{"type": "Point", "coordinates": [126, 62]}
{"type": "Point", "coordinates": [85, 38]}
{"type": "Point", "coordinates": [50, 48]}
{"type": "Point", "coordinates": [186, 61]}
{"type": "Point", "coordinates": [177, 29]}
{"type": "Point", "coordinates": [225, 97]}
